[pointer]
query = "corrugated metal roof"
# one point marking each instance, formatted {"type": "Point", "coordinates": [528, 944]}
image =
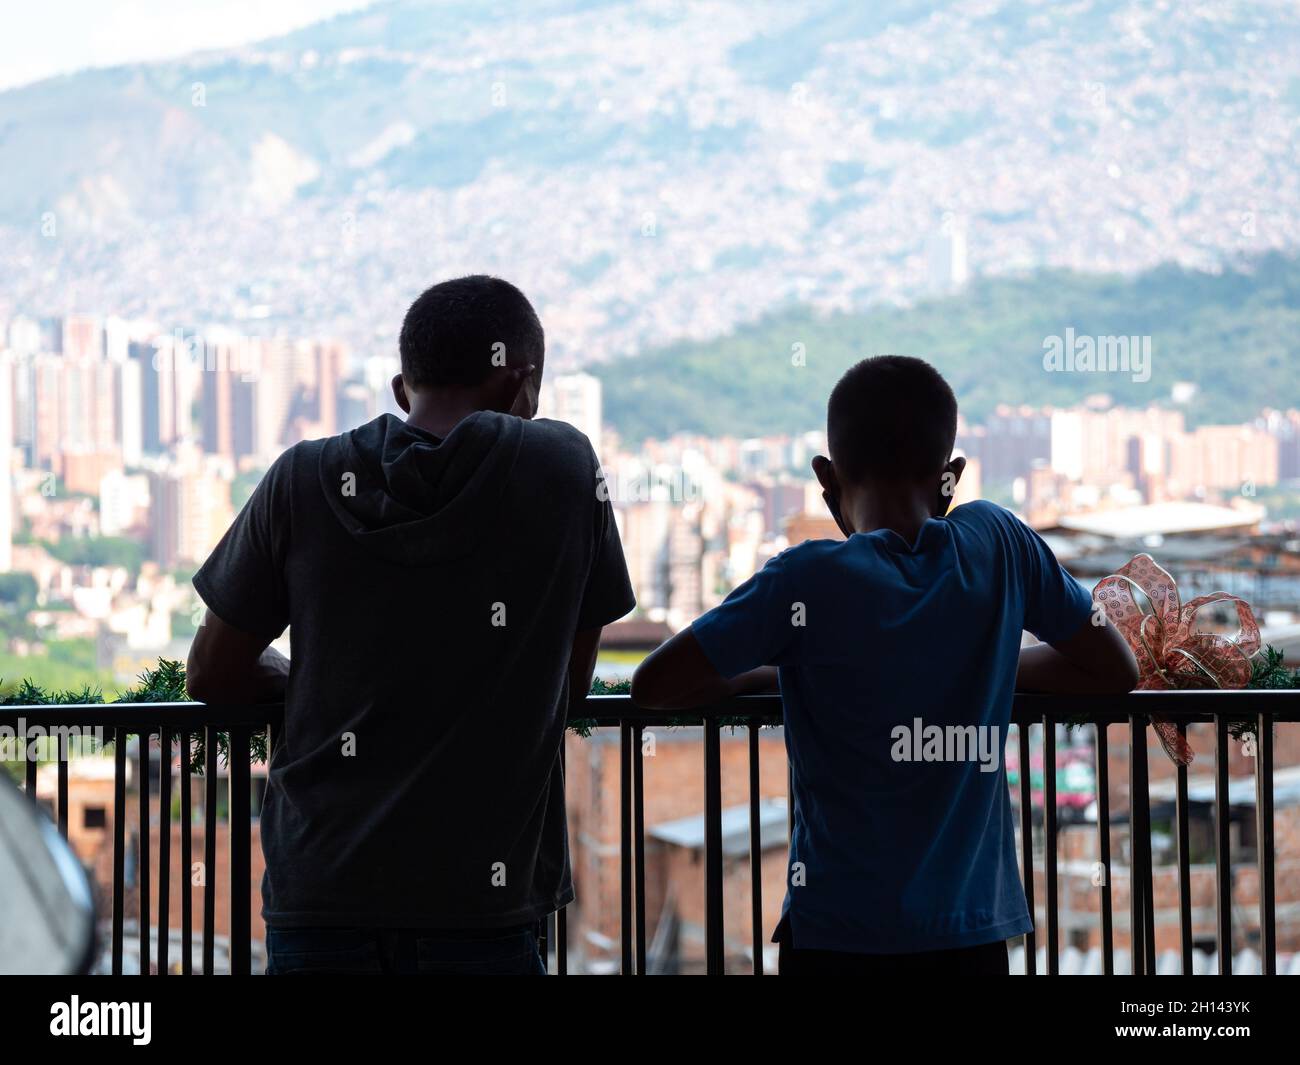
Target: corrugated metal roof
{"type": "Point", "coordinates": [689, 831]}
{"type": "Point", "coordinates": [1241, 790]}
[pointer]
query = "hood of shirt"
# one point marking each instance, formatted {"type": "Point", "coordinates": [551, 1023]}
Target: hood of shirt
{"type": "Point", "coordinates": [410, 498]}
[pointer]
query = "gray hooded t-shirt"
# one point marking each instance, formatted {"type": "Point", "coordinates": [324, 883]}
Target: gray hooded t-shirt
{"type": "Point", "coordinates": [432, 589]}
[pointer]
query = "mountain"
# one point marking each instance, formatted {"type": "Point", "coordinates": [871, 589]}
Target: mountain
{"type": "Point", "coordinates": [650, 171]}
{"type": "Point", "coordinates": [1235, 335]}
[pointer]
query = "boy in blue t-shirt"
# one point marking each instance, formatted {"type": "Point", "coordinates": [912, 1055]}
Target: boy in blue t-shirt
{"type": "Point", "coordinates": [898, 651]}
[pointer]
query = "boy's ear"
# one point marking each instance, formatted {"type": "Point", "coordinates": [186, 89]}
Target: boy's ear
{"type": "Point", "coordinates": [399, 394]}
{"type": "Point", "coordinates": [824, 470]}
{"type": "Point", "coordinates": [948, 482]}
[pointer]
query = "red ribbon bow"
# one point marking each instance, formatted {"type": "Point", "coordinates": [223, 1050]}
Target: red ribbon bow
{"type": "Point", "coordinates": [1170, 652]}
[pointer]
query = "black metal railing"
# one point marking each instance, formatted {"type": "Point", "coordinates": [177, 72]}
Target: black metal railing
{"type": "Point", "coordinates": [180, 725]}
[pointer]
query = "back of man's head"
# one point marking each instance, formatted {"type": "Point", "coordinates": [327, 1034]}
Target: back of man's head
{"type": "Point", "coordinates": [891, 418]}
{"type": "Point", "coordinates": [458, 331]}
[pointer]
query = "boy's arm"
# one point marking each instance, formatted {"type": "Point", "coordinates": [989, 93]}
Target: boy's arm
{"type": "Point", "coordinates": [731, 650]}
{"type": "Point", "coordinates": [1095, 660]}
{"type": "Point", "coordinates": [678, 675]}
{"type": "Point", "coordinates": [1079, 652]}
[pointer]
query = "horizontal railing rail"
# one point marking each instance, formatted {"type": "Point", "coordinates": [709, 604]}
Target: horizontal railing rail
{"type": "Point", "coordinates": [182, 724]}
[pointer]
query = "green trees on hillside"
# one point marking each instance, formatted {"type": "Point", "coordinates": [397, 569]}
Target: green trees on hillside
{"type": "Point", "coordinates": [1235, 334]}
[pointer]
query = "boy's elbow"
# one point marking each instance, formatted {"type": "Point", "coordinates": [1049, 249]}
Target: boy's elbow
{"type": "Point", "coordinates": [645, 692]}
{"type": "Point", "coordinates": [1126, 675]}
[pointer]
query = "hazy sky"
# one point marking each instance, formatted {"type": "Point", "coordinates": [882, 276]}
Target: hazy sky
{"type": "Point", "coordinates": [45, 37]}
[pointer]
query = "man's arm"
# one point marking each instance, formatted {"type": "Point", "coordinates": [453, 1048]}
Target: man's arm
{"type": "Point", "coordinates": [582, 667]}
{"type": "Point", "coordinates": [228, 665]}
{"type": "Point", "coordinates": [678, 675]}
{"type": "Point", "coordinates": [1096, 660]}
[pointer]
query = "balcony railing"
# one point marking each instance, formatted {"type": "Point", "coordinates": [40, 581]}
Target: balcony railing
{"type": "Point", "coordinates": [179, 725]}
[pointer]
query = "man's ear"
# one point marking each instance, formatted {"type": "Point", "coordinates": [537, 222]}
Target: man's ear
{"type": "Point", "coordinates": [399, 394]}
{"type": "Point", "coordinates": [524, 403]}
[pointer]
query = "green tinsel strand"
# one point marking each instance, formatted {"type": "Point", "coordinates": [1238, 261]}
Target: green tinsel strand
{"type": "Point", "coordinates": [166, 684]}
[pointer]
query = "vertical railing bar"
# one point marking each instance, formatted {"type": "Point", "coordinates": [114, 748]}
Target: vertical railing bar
{"type": "Point", "coordinates": [1049, 846]}
{"type": "Point", "coordinates": [142, 794]}
{"type": "Point", "coordinates": [714, 949]}
{"type": "Point", "coordinates": [29, 769]}
{"type": "Point", "coordinates": [755, 850]}
{"type": "Point", "coordinates": [1148, 867]}
{"type": "Point", "coordinates": [164, 846]}
{"type": "Point", "coordinates": [63, 784]}
{"type": "Point", "coordinates": [1181, 815]}
{"type": "Point", "coordinates": [1136, 786]}
{"type": "Point", "coordinates": [209, 848]}
{"type": "Point", "coordinates": [1222, 848]}
{"type": "Point", "coordinates": [238, 784]}
{"type": "Point", "coordinates": [562, 914]}
{"type": "Point", "coordinates": [638, 843]}
{"type": "Point", "coordinates": [562, 941]}
{"type": "Point", "coordinates": [187, 857]}
{"type": "Point", "coordinates": [119, 845]}
{"type": "Point", "coordinates": [1264, 839]}
{"type": "Point", "coordinates": [789, 804]}
{"type": "Point", "coordinates": [625, 847]}
{"type": "Point", "coordinates": [1027, 849]}
{"type": "Point", "coordinates": [1103, 845]}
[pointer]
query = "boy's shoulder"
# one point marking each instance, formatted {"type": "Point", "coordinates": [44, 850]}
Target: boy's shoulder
{"type": "Point", "coordinates": [812, 556]}
{"type": "Point", "coordinates": [980, 510]}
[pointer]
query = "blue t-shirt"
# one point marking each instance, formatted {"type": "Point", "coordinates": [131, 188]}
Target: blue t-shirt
{"type": "Point", "coordinates": [903, 833]}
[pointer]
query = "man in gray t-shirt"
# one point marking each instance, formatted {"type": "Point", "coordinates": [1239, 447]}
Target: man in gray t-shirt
{"type": "Point", "coordinates": [445, 580]}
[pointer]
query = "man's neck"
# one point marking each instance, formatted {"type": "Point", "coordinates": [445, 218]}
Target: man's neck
{"type": "Point", "coordinates": [440, 414]}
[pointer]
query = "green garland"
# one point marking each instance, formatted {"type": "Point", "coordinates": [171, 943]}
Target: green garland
{"type": "Point", "coordinates": [1267, 671]}
{"type": "Point", "coordinates": [166, 684]}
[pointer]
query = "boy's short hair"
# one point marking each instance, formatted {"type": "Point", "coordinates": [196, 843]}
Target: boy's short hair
{"type": "Point", "coordinates": [453, 331]}
{"type": "Point", "coordinates": [891, 417]}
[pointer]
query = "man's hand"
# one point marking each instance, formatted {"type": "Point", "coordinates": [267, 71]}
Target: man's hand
{"type": "Point", "coordinates": [679, 676]}
{"type": "Point", "coordinates": [228, 665]}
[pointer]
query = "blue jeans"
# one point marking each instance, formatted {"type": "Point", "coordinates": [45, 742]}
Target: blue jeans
{"type": "Point", "coordinates": [403, 951]}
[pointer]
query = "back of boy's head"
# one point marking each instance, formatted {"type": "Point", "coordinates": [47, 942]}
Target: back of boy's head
{"type": "Point", "coordinates": [891, 418]}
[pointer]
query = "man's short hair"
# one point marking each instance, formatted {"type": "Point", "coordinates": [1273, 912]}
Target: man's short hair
{"type": "Point", "coordinates": [891, 417]}
{"type": "Point", "coordinates": [459, 330]}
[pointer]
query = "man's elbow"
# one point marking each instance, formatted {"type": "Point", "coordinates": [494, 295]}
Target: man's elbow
{"type": "Point", "coordinates": [198, 686]}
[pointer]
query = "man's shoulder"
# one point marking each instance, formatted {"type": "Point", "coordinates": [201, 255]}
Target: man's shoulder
{"type": "Point", "coordinates": [297, 459]}
{"type": "Point", "coordinates": [550, 434]}
{"type": "Point", "coordinates": [559, 454]}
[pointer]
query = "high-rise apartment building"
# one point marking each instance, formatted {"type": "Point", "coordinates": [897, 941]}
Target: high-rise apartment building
{"type": "Point", "coordinates": [575, 398]}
